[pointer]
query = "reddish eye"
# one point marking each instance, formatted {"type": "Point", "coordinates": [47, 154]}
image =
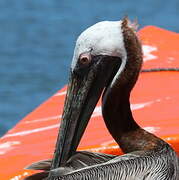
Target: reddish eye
{"type": "Point", "coordinates": [85, 59]}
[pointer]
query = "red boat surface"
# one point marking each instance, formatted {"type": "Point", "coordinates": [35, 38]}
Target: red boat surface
{"type": "Point", "coordinates": [154, 102]}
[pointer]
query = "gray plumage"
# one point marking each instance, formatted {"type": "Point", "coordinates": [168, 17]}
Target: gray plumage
{"type": "Point", "coordinates": [160, 165]}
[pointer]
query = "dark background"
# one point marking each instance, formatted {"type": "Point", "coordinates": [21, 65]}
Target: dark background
{"type": "Point", "coordinates": [37, 38]}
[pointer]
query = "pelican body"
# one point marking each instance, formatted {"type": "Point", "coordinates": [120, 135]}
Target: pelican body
{"type": "Point", "coordinates": [107, 61]}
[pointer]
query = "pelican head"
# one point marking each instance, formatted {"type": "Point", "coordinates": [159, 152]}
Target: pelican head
{"type": "Point", "coordinates": [99, 59]}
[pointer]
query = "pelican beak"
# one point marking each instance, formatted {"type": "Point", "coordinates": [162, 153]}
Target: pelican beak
{"type": "Point", "coordinates": [84, 90]}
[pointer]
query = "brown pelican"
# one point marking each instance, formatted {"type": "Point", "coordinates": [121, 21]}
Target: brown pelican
{"type": "Point", "coordinates": [107, 60]}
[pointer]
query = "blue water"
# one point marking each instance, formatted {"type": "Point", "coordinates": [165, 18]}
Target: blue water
{"type": "Point", "coordinates": [37, 38]}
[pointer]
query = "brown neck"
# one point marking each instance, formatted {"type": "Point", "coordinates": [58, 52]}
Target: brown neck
{"type": "Point", "coordinates": [116, 106]}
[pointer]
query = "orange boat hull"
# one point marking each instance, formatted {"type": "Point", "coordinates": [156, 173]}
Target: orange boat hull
{"type": "Point", "coordinates": [154, 102]}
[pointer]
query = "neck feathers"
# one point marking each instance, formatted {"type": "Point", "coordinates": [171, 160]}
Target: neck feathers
{"type": "Point", "coordinates": [116, 106]}
{"type": "Point", "coordinates": [134, 55]}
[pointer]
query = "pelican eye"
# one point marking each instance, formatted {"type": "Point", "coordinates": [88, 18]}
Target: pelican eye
{"type": "Point", "coordinates": [85, 59]}
{"type": "Point", "coordinates": [83, 65]}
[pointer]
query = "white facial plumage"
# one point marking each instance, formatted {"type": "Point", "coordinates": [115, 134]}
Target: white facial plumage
{"type": "Point", "coordinates": [103, 38]}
